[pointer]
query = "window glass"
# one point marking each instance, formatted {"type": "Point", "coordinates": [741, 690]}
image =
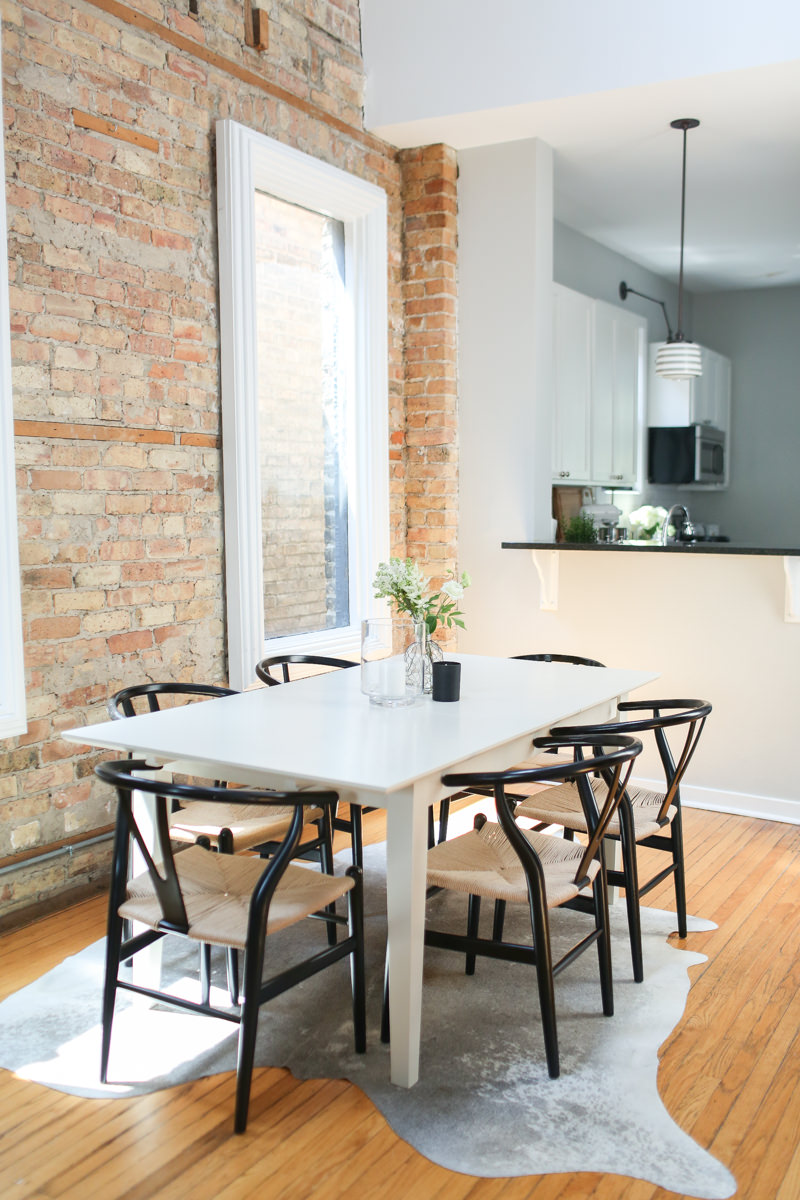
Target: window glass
{"type": "Point", "coordinates": [301, 307]}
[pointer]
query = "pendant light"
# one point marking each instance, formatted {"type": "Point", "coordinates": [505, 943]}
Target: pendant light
{"type": "Point", "coordinates": [679, 357]}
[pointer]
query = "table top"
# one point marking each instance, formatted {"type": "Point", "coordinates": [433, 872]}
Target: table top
{"type": "Point", "coordinates": [324, 730]}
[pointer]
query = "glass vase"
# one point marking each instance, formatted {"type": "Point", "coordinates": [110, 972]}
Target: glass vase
{"type": "Point", "coordinates": [385, 677]}
{"type": "Point", "coordinates": [423, 652]}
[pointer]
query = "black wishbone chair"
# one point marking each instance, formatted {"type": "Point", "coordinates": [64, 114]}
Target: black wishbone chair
{"type": "Point", "coordinates": [230, 900]}
{"type": "Point", "coordinates": [232, 826]}
{"type": "Point", "coordinates": [280, 664]}
{"type": "Point", "coordinates": [524, 790]}
{"type": "Point", "coordinates": [266, 668]}
{"type": "Point", "coordinates": [645, 818]}
{"type": "Point", "coordinates": [514, 865]}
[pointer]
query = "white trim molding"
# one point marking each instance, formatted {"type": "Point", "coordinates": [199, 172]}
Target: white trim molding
{"type": "Point", "coordinates": [12, 674]}
{"type": "Point", "coordinates": [766, 808]}
{"type": "Point", "coordinates": [248, 161]}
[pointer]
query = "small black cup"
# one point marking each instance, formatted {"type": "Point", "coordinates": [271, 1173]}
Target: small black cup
{"type": "Point", "coordinates": [446, 681]}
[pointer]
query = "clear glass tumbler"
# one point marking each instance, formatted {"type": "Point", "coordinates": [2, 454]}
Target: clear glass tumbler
{"type": "Point", "coordinates": [385, 676]}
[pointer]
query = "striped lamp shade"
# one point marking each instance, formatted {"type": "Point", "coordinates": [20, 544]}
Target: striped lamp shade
{"type": "Point", "coordinates": [679, 360]}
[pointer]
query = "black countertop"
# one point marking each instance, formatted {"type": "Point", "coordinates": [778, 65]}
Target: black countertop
{"type": "Point", "coordinates": [687, 548]}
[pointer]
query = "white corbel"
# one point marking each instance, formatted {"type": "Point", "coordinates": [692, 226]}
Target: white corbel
{"type": "Point", "coordinates": [791, 566]}
{"type": "Point", "coordinates": [546, 563]}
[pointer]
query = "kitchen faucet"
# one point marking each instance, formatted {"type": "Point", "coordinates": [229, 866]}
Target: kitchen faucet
{"type": "Point", "coordinates": [685, 525]}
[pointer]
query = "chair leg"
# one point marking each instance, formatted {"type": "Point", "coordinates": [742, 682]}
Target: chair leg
{"type": "Point", "coordinates": [355, 914]}
{"type": "Point", "coordinates": [602, 922]}
{"type": "Point", "coordinates": [385, 1030]}
{"type": "Point", "coordinates": [325, 829]}
{"type": "Point", "coordinates": [248, 1027]}
{"type": "Point", "coordinates": [232, 966]}
{"type": "Point", "coordinates": [205, 973]}
{"type": "Point", "coordinates": [473, 919]}
{"type": "Point", "coordinates": [444, 817]}
{"type": "Point", "coordinates": [499, 920]}
{"type": "Point", "coordinates": [631, 873]}
{"type": "Point", "coordinates": [544, 979]}
{"type": "Point", "coordinates": [680, 873]}
{"type": "Point", "coordinates": [113, 939]}
{"type": "Point", "coordinates": [358, 837]}
{"type": "Point", "coordinates": [224, 846]}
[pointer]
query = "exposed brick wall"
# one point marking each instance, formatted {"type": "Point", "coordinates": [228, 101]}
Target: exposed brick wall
{"type": "Point", "coordinates": [429, 290]}
{"type": "Point", "coordinates": [112, 265]}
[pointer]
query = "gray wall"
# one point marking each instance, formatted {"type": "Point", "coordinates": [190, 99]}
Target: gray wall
{"type": "Point", "coordinates": [759, 330]}
{"type": "Point", "coordinates": [588, 267]}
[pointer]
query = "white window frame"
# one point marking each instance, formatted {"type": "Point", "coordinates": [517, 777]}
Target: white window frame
{"type": "Point", "coordinates": [13, 718]}
{"type": "Point", "coordinates": [248, 161]}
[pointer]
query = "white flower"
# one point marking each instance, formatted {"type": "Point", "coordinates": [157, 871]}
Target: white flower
{"type": "Point", "coordinates": [453, 589]}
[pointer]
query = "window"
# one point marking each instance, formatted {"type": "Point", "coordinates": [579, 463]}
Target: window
{"type": "Point", "coordinates": [12, 682]}
{"type": "Point", "coordinates": [302, 248]}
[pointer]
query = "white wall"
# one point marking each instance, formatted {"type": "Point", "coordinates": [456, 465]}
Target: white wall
{"type": "Point", "coordinates": [505, 228]}
{"type": "Point", "coordinates": [711, 625]}
{"type": "Point", "coordinates": [429, 58]}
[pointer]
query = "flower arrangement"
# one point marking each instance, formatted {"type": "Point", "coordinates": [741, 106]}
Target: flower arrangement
{"type": "Point", "coordinates": [402, 582]}
{"type": "Point", "coordinates": [647, 521]}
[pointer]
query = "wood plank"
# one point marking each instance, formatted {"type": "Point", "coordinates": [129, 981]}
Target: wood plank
{"type": "Point", "coordinates": [92, 433]}
{"type": "Point", "coordinates": [84, 120]}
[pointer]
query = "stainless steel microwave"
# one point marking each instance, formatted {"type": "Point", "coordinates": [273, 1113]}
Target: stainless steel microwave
{"type": "Point", "coordinates": [686, 454]}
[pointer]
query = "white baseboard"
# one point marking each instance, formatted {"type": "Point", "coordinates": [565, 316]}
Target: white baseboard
{"type": "Point", "coordinates": [767, 808]}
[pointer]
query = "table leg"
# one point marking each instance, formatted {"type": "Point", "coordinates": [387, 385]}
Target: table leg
{"type": "Point", "coordinates": [406, 851]}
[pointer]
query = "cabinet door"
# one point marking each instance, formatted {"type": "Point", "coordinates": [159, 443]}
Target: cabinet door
{"type": "Point", "coordinates": [711, 391]}
{"type": "Point", "coordinates": [618, 371]}
{"type": "Point", "coordinates": [572, 319]}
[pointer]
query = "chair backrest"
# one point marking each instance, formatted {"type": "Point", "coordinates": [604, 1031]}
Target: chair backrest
{"type": "Point", "coordinates": [614, 762]}
{"type": "Point", "coordinates": [689, 715]}
{"type": "Point", "coordinates": [131, 775]}
{"type": "Point", "coordinates": [284, 661]}
{"type": "Point", "coordinates": [145, 697]}
{"type": "Point", "coordinates": [575, 659]}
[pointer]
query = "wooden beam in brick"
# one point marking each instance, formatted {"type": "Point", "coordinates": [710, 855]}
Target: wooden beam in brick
{"type": "Point", "coordinates": [112, 129]}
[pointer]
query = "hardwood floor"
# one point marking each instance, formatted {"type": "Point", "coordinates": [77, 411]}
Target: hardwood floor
{"type": "Point", "coordinates": [730, 1074]}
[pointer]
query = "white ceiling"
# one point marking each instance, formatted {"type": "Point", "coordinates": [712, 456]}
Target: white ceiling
{"type": "Point", "coordinates": [618, 162]}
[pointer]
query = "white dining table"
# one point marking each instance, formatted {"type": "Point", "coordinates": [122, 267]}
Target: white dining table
{"type": "Point", "coordinates": [323, 730]}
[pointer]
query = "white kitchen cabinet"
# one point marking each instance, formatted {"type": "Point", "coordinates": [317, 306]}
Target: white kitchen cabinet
{"type": "Point", "coordinates": [572, 332]}
{"type": "Point", "coordinates": [617, 410]}
{"type": "Point", "coordinates": [599, 367]}
{"type": "Point", "coordinates": [705, 399]}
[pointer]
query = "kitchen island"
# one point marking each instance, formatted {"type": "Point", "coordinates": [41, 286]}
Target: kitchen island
{"type": "Point", "coordinates": [672, 548]}
{"type": "Point", "coordinates": [545, 558]}
{"type": "Point", "coordinates": [714, 623]}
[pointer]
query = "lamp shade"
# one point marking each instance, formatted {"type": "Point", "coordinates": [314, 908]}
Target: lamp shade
{"type": "Point", "coordinates": [679, 360]}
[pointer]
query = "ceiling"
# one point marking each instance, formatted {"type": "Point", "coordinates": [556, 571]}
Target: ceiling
{"type": "Point", "coordinates": [618, 169]}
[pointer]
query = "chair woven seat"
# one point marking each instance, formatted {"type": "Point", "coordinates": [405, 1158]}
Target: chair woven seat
{"type": "Point", "coordinates": [555, 804]}
{"type": "Point", "coordinates": [249, 824]}
{"type": "Point", "coordinates": [217, 890]}
{"type": "Point", "coordinates": [483, 862]}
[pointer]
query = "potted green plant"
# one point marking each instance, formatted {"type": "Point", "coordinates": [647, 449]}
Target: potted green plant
{"type": "Point", "coordinates": [579, 529]}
